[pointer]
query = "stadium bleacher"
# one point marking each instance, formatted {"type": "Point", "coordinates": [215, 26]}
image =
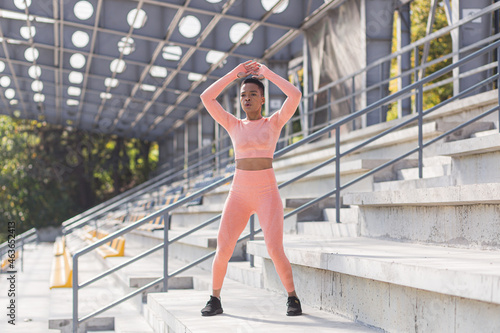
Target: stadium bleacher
{"type": "Point", "coordinates": [413, 246]}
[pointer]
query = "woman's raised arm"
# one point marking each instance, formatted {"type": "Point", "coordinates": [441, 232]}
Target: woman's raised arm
{"type": "Point", "coordinates": [209, 96]}
{"type": "Point", "coordinates": [293, 94]}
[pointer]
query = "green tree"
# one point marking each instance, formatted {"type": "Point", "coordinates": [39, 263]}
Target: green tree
{"type": "Point", "coordinates": [50, 173]}
{"type": "Point", "coordinates": [438, 48]}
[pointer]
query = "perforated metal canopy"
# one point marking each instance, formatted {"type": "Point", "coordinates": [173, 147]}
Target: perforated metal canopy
{"type": "Point", "coordinates": [135, 68]}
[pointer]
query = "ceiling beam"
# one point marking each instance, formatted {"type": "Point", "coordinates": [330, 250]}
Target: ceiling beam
{"type": "Point", "coordinates": [88, 63]}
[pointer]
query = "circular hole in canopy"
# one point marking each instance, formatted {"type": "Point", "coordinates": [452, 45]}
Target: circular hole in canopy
{"type": "Point", "coordinates": [189, 26]}
{"type": "Point", "coordinates": [172, 52]}
{"type": "Point", "coordinates": [77, 60]}
{"type": "Point", "coordinates": [137, 18]}
{"type": "Point", "coordinates": [238, 30]}
{"type": "Point", "coordinates": [80, 38]}
{"type": "Point", "coordinates": [268, 4]}
{"type": "Point", "coordinates": [83, 10]}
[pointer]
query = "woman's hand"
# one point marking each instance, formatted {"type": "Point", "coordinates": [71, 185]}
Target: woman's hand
{"type": "Point", "coordinates": [251, 67]}
{"type": "Point", "coordinates": [261, 72]}
{"type": "Point", "coordinates": [247, 68]}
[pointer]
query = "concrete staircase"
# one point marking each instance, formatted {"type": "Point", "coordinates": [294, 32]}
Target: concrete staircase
{"type": "Point", "coordinates": [411, 255]}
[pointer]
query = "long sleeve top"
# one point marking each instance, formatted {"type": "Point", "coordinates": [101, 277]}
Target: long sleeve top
{"type": "Point", "coordinates": [252, 138]}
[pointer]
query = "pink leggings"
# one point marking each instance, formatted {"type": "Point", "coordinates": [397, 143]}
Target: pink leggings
{"type": "Point", "coordinates": [252, 192]}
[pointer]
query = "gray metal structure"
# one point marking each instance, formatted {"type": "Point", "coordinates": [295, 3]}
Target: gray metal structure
{"type": "Point", "coordinates": [135, 68]}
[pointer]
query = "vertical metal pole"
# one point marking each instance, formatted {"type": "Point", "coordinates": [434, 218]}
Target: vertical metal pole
{"type": "Point", "coordinates": [381, 91]}
{"type": "Point", "coordinates": [329, 108]}
{"type": "Point", "coordinates": [305, 88]}
{"type": "Point", "coordinates": [415, 75]}
{"type": "Point", "coordinates": [337, 174]}
{"type": "Point", "coordinates": [165, 251]}
{"type": "Point", "coordinates": [217, 147]}
{"type": "Point", "coordinates": [353, 100]}
{"type": "Point", "coordinates": [420, 106]}
{"type": "Point", "coordinates": [498, 84]}
{"type": "Point", "coordinates": [267, 99]}
{"type": "Point", "coordinates": [200, 140]}
{"type": "Point", "coordinates": [252, 236]}
{"type": "Point", "coordinates": [186, 148]}
{"type": "Point", "coordinates": [22, 254]}
{"type": "Point", "coordinates": [75, 294]}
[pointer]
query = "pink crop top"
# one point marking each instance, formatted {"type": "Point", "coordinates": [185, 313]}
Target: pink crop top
{"type": "Point", "coordinates": [253, 138]}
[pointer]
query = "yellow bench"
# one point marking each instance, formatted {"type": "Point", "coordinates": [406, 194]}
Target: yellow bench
{"type": "Point", "coordinates": [6, 261]}
{"type": "Point", "coordinates": [62, 271]}
{"type": "Point", "coordinates": [93, 235]}
{"type": "Point", "coordinates": [115, 248]}
{"type": "Point", "coordinates": [154, 224]}
{"type": "Point", "coordinates": [59, 246]}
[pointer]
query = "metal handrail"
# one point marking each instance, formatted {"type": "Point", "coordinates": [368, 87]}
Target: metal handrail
{"type": "Point", "coordinates": [417, 86]}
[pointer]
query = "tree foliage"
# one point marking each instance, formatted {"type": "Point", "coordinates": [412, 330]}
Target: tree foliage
{"type": "Point", "coordinates": [51, 173]}
{"type": "Point", "coordinates": [438, 48]}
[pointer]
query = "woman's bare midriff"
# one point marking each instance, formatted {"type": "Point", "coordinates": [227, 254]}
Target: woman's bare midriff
{"type": "Point", "coordinates": [254, 163]}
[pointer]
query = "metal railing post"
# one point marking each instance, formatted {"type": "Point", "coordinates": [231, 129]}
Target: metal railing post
{"type": "Point", "coordinates": [166, 244]}
{"type": "Point", "coordinates": [420, 107]}
{"type": "Point", "coordinates": [381, 91]}
{"type": "Point", "coordinates": [252, 237]}
{"type": "Point", "coordinates": [353, 100]}
{"type": "Point", "coordinates": [337, 174]}
{"type": "Point", "coordinates": [498, 84]}
{"type": "Point", "coordinates": [22, 254]}
{"type": "Point", "coordinates": [75, 293]}
{"type": "Point", "coordinates": [329, 109]}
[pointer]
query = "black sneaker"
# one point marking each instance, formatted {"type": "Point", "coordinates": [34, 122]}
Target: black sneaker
{"type": "Point", "coordinates": [213, 307]}
{"type": "Point", "coordinates": [294, 308]}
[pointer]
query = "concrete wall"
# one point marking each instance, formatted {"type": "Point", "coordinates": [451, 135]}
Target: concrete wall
{"type": "Point", "coordinates": [392, 307]}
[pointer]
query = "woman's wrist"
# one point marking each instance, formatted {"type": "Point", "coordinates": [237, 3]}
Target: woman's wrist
{"type": "Point", "coordinates": [265, 71]}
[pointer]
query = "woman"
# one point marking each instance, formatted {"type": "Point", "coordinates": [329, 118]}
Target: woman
{"type": "Point", "coordinates": [254, 188]}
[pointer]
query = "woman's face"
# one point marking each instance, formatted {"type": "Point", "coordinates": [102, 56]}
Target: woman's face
{"type": "Point", "coordinates": [251, 99]}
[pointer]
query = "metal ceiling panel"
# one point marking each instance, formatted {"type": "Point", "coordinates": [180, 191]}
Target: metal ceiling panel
{"type": "Point", "coordinates": [134, 67]}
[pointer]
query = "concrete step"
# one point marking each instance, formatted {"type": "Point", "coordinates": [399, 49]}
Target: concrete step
{"type": "Point", "coordinates": [439, 196]}
{"type": "Point", "coordinates": [394, 286]}
{"type": "Point", "coordinates": [327, 230]}
{"type": "Point", "coordinates": [246, 309]}
{"type": "Point", "coordinates": [472, 146]}
{"type": "Point", "coordinates": [396, 143]}
{"type": "Point", "coordinates": [93, 297]}
{"type": "Point", "coordinates": [484, 133]}
{"type": "Point", "coordinates": [347, 215]}
{"type": "Point", "coordinates": [427, 172]}
{"type": "Point", "coordinates": [467, 131]}
{"type": "Point", "coordinates": [189, 249]}
{"type": "Point", "coordinates": [313, 213]}
{"type": "Point", "coordinates": [323, 180]}
{"type": "Point", "coordinates": [475, 160]}
{"type": "Point", "coordinates": [395, 185]}
{"type": "Point", "coordinates": [132, 324]}
{"type": "Point", "coordinates": [459, 216]}
{"type": "Point", "coordinates": [190, 216]}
